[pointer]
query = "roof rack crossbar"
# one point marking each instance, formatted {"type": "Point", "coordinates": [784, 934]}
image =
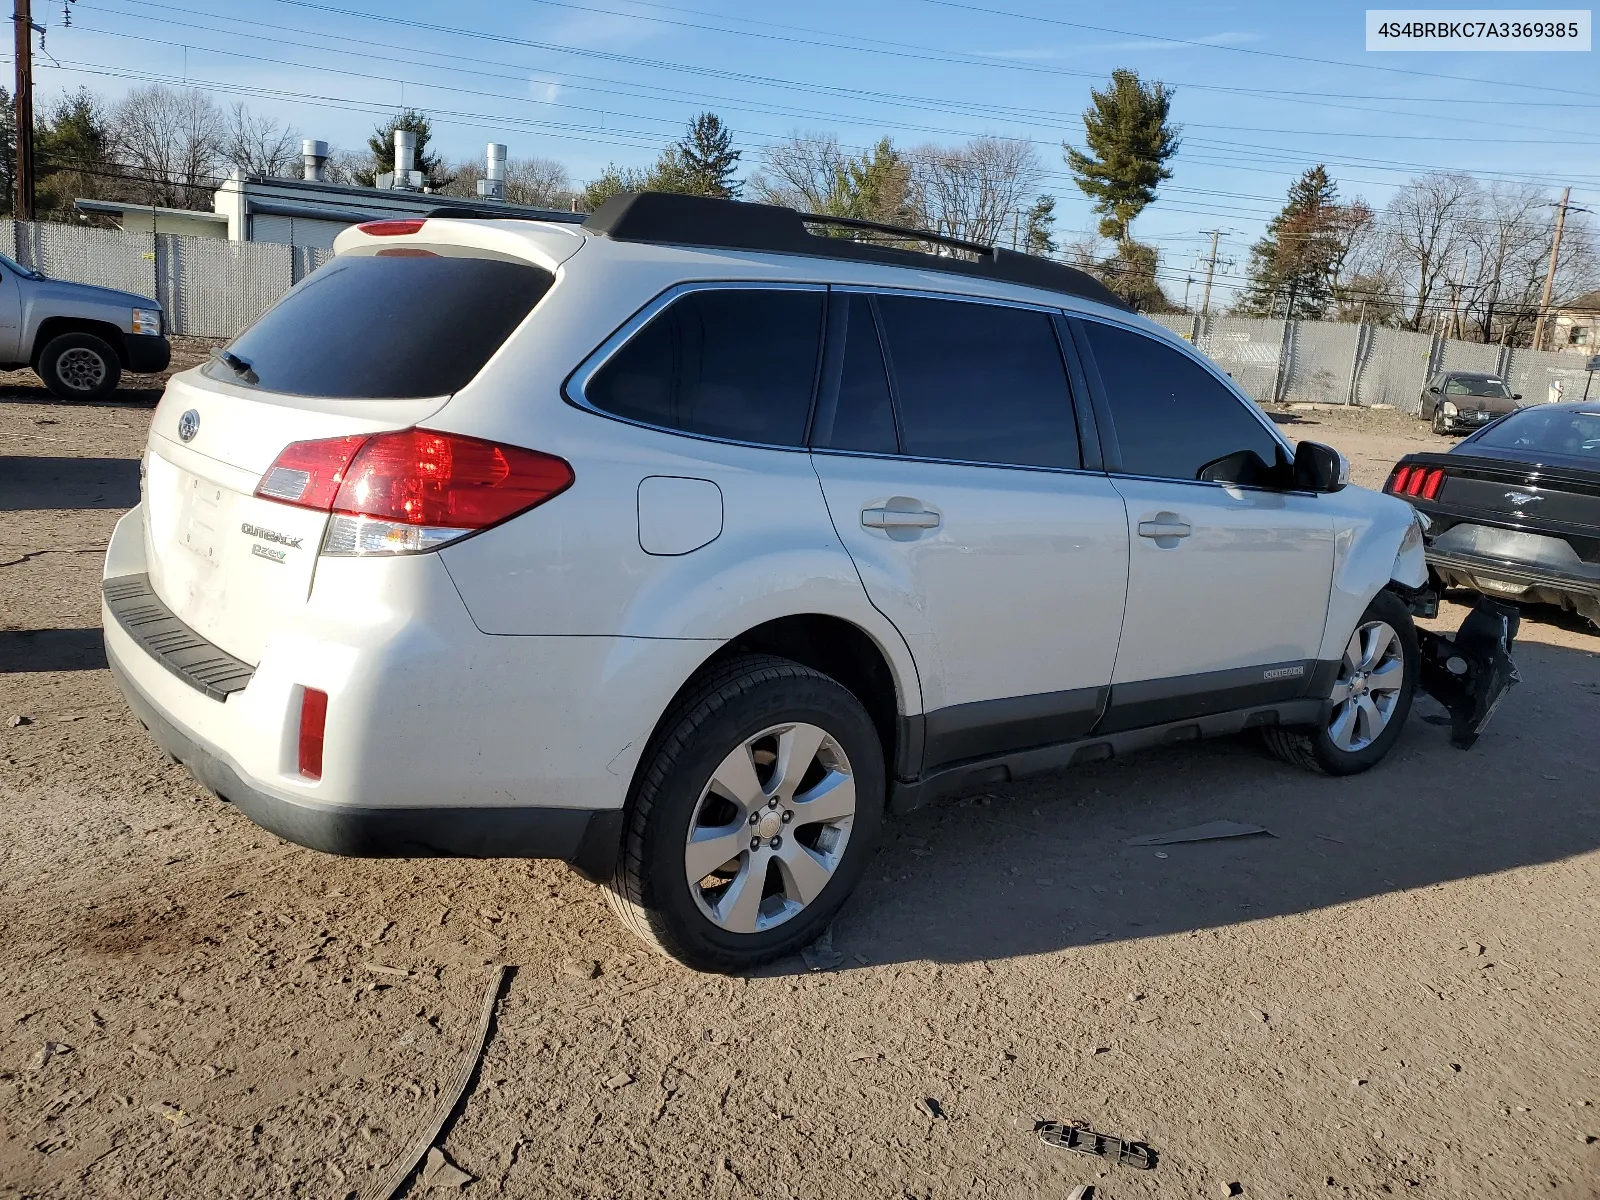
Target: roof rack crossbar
{"type": "Point", "coordinates": [902, 231]}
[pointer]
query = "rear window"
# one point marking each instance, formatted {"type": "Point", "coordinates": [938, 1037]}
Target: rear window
{"type": "Point", "coordinates": [1538, 430]}
{"type": "Point", "coordinates": [387, 326]}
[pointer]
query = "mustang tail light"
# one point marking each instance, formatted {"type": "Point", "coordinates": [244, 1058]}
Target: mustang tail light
{"type": "Point", "coordinates": [1415, 482]}
{"type": "Point", "coordinates": [411, 490]}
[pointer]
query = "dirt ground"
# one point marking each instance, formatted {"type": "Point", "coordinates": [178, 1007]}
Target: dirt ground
{"type": "Point", "coordinates": [1397, 993]}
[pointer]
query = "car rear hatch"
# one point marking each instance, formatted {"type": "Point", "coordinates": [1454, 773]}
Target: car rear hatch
{"type": "Point", "coordinates": [377, 340]}
{"type": "Point", "coordinates": [1543, 517]}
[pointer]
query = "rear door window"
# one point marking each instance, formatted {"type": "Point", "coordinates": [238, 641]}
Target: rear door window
{"type": "Point", "coordinates": [731, 363]}
{"type": "Point", "coordinates": [979, 383]}
{"type": "Point", "coordinates": [387, 326]}
{"type": "Point", "coordinates": [1172, 418]}
{"type": "Point", "coordinates": [855, 413]}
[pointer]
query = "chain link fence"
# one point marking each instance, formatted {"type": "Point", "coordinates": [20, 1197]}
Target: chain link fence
{"type": "Point", "coordinates": [210, 287]}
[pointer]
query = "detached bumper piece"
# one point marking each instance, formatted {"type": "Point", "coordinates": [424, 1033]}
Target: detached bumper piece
{"type": "Point", "coordinates": [1102, 1145]}
{"type": "Point", "coordinates": [1470, 671]}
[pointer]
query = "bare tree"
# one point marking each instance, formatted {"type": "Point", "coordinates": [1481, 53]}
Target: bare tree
{"type": "Point", "coordinates": [538, 182]}
{"type": "Point", "coordinates": [346, 166]}
{"type": "Point", "coordinates": [1427, 222]}
{"type": "Point", "coordinates": [1510, 242]}
{"type": "Point", "coordinates": [258, 145]}
{"type": "Point", "coordinates": [171, 142]}
{"type": "Point", "coordinates": [978, 191]}
{"type": "Point", "coordinates": [805, 171]}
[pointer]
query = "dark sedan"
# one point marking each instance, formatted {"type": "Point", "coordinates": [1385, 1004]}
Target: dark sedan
{"type": "Point", "coordinates": [1515, 507]}
{"type": "Point", "coordinates": [1455, 401]}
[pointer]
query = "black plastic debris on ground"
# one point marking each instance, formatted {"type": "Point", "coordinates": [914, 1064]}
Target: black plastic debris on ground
{"type": "Point", "coordinates": [1102, 1145]}
{"type": "Point", "coordinates": [1209, 832]}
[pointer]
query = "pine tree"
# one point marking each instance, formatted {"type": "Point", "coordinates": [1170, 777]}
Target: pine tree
{"type": "Point", "coordinates": [1130, 141]}
{"type": "Point", "coordinates": [1038, 226]}
{"type": "Point", "coordinates": [702, 162]}
{"type": "Point", "coordinates": [1292, 269]}
{"type": "Point", "coordinates": [381, 146]}
{"type": "Point", "coordinates": [72, 153]}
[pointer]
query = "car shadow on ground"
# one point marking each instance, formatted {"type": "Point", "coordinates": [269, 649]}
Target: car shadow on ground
{"type": "Point", "coordinates": [1042, 865]}
{"type": "Point", "coordinates": [139, 392]}
{"type": "Point", "coordinates": [38, 482]}
{"type": "Point", "coordinates": [28, 650]}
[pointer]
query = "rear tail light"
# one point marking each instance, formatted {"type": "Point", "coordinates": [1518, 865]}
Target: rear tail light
{"type": "Point", "coordinates": [1416, 482]}
{"type": "Point", "coordinates": [313, 720]}
{"type": "Point", "coordinates": [390, 228]}
{"type": "Point", "coordinates": [411, 490]}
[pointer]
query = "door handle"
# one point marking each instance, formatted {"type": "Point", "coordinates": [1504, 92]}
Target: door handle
{"type": "Point", "coordinates": [894, 518]}
{"type": "Point", "coordinates": [1164, 526]}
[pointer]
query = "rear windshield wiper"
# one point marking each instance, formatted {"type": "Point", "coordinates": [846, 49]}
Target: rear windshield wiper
{"type": "Point", "coordinates": [239, 366]}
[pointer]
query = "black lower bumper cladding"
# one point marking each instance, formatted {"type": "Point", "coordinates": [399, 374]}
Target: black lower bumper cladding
{"type": "Point", "coordinates": [1470, 671]}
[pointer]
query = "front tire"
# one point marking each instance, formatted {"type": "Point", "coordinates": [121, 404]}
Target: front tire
{"type": "Point", "coordinates": [79, 366]}
{"type": "Point", "coordinates": [1371, 696]}
{"type": "Point", "coordinates": [754, 812]}
{"type": "Point", "coordinates": [1441, 425]}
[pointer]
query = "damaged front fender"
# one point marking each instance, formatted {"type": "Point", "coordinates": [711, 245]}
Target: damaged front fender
{"type": "Point", "coordinates": [1470, 671]}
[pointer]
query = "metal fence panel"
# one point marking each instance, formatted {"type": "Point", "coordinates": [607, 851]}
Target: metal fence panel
{"type": "Point", "coordinates": [1394, 369]}
{"type": "Point", "coordinates": [1182, 324]}
{"type": "Point", "coordinates": [104, 257]}
{"type": "Point", "coordinates": [1545, 376]}
{"type": "Point", "coordinates": [1247, 349]}
{"type": "Point", "coordinates": [1469, 356]}
{"type": "Point", "coordinates": [1322, 355]}
{"type": "Point", "coordinates": [214, 288]}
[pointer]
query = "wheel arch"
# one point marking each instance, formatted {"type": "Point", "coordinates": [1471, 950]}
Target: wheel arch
{"type": "Point", "coordinates": [53, 327]}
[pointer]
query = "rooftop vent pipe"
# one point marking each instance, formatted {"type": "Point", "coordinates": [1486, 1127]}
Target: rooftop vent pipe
{"type": "Point", "coordinates": [405, 156]}
{"type": "Point", "coordinates": [493, 184]}
{"type": "Point", "coordinates": [314, 156]}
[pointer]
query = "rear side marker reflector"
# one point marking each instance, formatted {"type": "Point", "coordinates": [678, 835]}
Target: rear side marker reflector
{"type": "Point", "coordinates": [1416, 482]}
{"type": "Point", "coordinates": [313, 721]}
{"type": "Point", "coordinates": [411, 490]}
{"type": "Point", "coordinates": [390, 228]}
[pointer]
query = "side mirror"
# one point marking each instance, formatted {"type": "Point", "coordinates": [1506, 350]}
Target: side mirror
{"type": "Point", "coordinates": [1516, 395]}
{"type": "Point", "coordinates": [1319, 468]}
{"type": "Point", "coordinates": [1434, 390]}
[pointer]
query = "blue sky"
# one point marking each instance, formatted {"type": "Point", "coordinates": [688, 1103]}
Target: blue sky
{"type": "Point", "coordinates": [1263, 90]}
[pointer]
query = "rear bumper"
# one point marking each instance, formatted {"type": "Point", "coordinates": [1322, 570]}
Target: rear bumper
{"type": "Point", "coordinates": [147, 354]}
{"type": "Point", "coordinates": [1467, 568]}
{"type": "Point", "coordinates": [587, 838]}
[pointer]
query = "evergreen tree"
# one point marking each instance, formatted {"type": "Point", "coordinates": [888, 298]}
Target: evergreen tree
{"type": "Point", "coordinates": [1292, 269]}
{"type": "Point", "coordinates": [1038, 228]}
{"type": "Point", "coordinates": [1129, 140]}
{"type": "Point", "coordinates": [1131, 274]}
{"type": "Point", "coordinates": [8, 152]}
{"type": "Point", "coordinates": [702, 162]}
{"type": "Point", "coordinates": [381, 146]}
{"type": "Point", "coordinates": [72, 153]}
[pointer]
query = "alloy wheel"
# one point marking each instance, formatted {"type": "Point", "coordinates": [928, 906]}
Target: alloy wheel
{"type": "Point", "coordinates": [1368, 687]}
{"type": "Point", "coordinates": [770, 828]}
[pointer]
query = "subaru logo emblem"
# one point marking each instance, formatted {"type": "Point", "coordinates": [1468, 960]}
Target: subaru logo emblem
{"type": "Point", "coordinates": [188, 425]}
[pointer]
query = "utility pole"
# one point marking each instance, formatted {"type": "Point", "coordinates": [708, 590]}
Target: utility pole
{"type": "Point", "coordinates": [1455, 301]}
{"type": "Point", "coordinates": [22, 18]}
{"type": "Point", "coordinates": [1550, 275]}
{"type": "Point", "coordinates": [1211, 269]}
{"type": "Point", "coordinates": [1188, 282]}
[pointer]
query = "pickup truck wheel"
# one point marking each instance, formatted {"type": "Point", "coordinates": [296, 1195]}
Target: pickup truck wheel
{"type": "Point", "coordinates": [79, 366]}
{"type": "Point", "coordinates": [753, 816]}
{"type": "Point", "coordinates": [1371, 696]}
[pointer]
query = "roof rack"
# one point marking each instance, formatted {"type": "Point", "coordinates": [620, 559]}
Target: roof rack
{"type": "Point", "coordinates": [661, 217]}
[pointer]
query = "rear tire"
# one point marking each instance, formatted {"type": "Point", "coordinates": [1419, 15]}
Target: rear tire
{"type": "Point", "coordinates": [754, 743]}
{"type": "Point", "coordinates": [79, 366]}
{"type": "Point", "coordinates": [1371, 697]}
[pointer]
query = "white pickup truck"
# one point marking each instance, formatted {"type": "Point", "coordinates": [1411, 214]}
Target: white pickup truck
{"type": "Point", "coordinates": [78, 337]}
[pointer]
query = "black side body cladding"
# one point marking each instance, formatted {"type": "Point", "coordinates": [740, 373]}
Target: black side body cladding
{"type": "Point", "coordinates": [659, 217]}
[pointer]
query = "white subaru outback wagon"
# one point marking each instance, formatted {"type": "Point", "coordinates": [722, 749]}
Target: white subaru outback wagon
{"type": "Point", "coordinates": [682, 543]}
